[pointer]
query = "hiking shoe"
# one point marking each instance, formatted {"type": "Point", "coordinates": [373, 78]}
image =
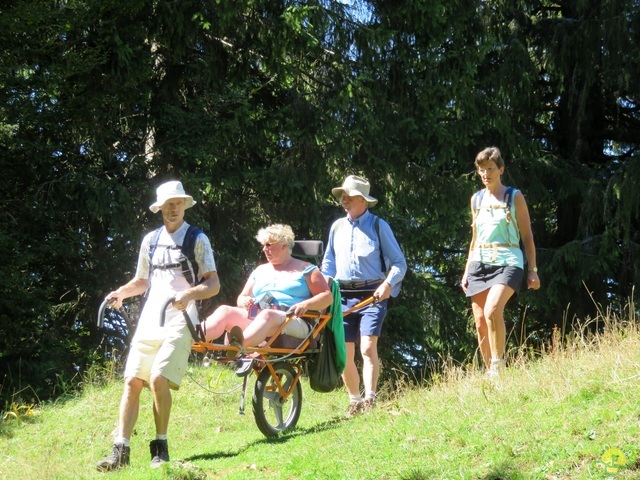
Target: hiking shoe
{"type": "Point", "coordinates": [355, 408]}
{"type": "Point", "coordinates": [159, 452]}
{"type": "Point", "coordinates": [367, 404]}
{"type": "Point", "coordinates": [119, 458]}
{"type": "Point", "coordinates": [236, 338]}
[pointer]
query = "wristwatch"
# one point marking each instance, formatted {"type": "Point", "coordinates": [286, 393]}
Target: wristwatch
{"type": "Point", "coordinates": [534, 269]}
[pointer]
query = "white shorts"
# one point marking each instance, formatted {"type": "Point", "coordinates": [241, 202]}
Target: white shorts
{"type": "Point", "coordinates": [168, 357]}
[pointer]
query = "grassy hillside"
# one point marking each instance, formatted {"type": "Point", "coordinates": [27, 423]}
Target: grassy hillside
{"type": "Point", "coordinates": [555, 417]}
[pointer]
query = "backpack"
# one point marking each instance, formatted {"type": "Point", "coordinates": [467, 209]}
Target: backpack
{"type": "Point", "coordinates": [507, 201]}
{"type": "Point", "coordinates": [187, 261]}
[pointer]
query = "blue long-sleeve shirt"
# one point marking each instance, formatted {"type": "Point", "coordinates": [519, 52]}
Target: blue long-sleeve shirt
{"type": "Point", "coordinates": [353, 252]}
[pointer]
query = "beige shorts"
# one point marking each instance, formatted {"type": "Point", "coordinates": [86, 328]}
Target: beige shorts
{"type": "Point", "coordinates": [296, 327]}
{"type": "Point", "coordinates": [168, 357]}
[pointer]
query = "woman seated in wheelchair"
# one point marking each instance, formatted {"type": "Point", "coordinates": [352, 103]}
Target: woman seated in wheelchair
{"type": "Point", "coordinates": [282, 285]}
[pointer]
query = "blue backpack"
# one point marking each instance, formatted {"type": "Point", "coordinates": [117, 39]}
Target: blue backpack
{"type": "Point", "coordinates": [187, 262]}
{"type": "Point", "coordinates": [508, 202]}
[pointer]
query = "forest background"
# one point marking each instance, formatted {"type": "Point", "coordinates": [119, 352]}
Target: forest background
{"type": "Point", "coordinates": [260, 107]}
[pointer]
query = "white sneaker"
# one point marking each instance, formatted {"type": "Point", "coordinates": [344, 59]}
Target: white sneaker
{"type": "Point", "coordinates": [497, 365]}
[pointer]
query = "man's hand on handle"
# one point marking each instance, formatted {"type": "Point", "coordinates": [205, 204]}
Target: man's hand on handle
{"type": "Point", "coordinates": [382, 292]}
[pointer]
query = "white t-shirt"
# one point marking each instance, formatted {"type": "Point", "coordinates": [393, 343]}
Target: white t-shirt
{"type": "Point", "coordinates": [165, 283]}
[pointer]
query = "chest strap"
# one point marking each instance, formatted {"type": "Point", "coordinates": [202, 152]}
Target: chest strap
{"type": "Point", "coordinates": [165, 266]}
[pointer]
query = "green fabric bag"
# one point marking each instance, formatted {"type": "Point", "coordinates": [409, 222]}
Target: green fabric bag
{"type": "Point", "coordinates": [329, 363]}
{"type": "Point", "coordinates": [337, 327]}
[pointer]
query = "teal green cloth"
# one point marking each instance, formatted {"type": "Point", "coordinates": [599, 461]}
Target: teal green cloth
{"type": "Point", "coordinates": [337, 327]}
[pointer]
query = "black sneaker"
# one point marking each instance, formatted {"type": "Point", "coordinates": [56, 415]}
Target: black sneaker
{"type": "Point", "coordinates": [159, 452]}
{"type": "Point", "coordinates": [244, 366]}
{"type": "Point", "coordinates": [119, 458]}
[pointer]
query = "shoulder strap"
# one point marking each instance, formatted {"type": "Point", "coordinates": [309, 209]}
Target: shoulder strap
{"type": "Point", "coordinates": [508, 196]}
{"type": "Point", "coordinates": [153, 244]}
{"type": "Point", "coordinates": [477, 201]}
{"type": "Point", "coordinates": [508, 201]}
{"type": "Point", "coordinates": [189, 242]}
{"type": "Point", "coordinates": [190, 269]}
{"type": "Point", "coordinates": [376, 225]}
{"type": "Point", "coordinates": [188, 250]}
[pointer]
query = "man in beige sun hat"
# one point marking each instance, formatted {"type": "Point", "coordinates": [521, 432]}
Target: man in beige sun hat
{"type": "Point", "coordinates": [355, 186]}
{"type": "Point", "coordinates": [158, 355]}
{"type": "Point", "coordinates": [364, 257]}
{"type": "Point", "coordinates": [171, 189]}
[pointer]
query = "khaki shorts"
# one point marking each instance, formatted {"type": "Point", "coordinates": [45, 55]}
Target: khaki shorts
{"type": "Point", "coordinates": [168, 357]}
{"type": "Point", "coordinates": [296, 327]}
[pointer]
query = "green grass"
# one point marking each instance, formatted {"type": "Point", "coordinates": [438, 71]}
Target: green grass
{"type": "Point", "coordinates": [552, 417]}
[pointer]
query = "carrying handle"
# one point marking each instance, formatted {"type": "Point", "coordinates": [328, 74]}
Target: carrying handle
{"type": "Point", "coordinates": [194, 334]}
{"type": "Point", "coordinates": [360, 305]}
{"type": "Point", "coordinates": [107, 303]}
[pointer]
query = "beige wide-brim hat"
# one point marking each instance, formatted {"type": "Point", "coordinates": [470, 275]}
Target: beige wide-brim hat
{"type": "Point", "coordinates": [172, 189]}
{"type": "Point", "coordinates": [354, 185]}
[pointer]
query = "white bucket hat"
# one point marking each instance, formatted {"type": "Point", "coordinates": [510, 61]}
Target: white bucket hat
{"type": "Point", "coordinates": [172, 189]}
{"type": "Point", "coordinates": [354, 185]}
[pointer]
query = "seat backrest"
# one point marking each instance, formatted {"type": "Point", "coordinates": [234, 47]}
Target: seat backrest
{"type": "Point", "coordinates": [311, 250]}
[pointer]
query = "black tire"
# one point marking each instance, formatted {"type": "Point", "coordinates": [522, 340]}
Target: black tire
{"type": "Point", "coordinates": [273, 414]}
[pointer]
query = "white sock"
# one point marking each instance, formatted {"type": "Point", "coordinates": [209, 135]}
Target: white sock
{"type": "Point", "coordinates": [355, 398]}
{"type": "Point", "coordinates": [370, 395]}
{"type": "Point", "coordinates": [497, 363]}
{"type": "Point", "coordinates": [121, 441]}
{"type": "Point", "coordinates": [161, 437]}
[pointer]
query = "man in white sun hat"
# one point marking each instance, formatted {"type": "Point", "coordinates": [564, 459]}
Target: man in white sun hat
{"type": "Point", "coordinates": [158, 355]}
{"type": "Point", "coordinates": [364, 257]}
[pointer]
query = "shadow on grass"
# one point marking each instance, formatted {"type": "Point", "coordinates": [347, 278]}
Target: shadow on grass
{"type": "Point", "coordinates": [505, 471]}
{"type": "Point", "coordinates": [501, 472]}
{"type": "Point", "coordinates": [282, 438]}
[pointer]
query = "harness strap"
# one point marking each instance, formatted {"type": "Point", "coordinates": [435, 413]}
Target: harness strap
{"type": "Point", "coordinates": [165, 266]}
{"type": "Point", "coordinates": [187, 261]}
{"type": "Point", "coordinates": [505, 205]}
{"type": "Point", "coordinates": [495, 246]}
{"type": "Point", "coordinates": [183, 264]}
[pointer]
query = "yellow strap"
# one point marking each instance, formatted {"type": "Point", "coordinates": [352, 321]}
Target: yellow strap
{"type": "Point", "coordinates": [497, 245]}
{"type": "Point", "coordinates": [494, 247]}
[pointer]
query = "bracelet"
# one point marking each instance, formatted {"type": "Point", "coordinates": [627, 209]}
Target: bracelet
{"type": "Point", "coordinates": [534, 269]}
